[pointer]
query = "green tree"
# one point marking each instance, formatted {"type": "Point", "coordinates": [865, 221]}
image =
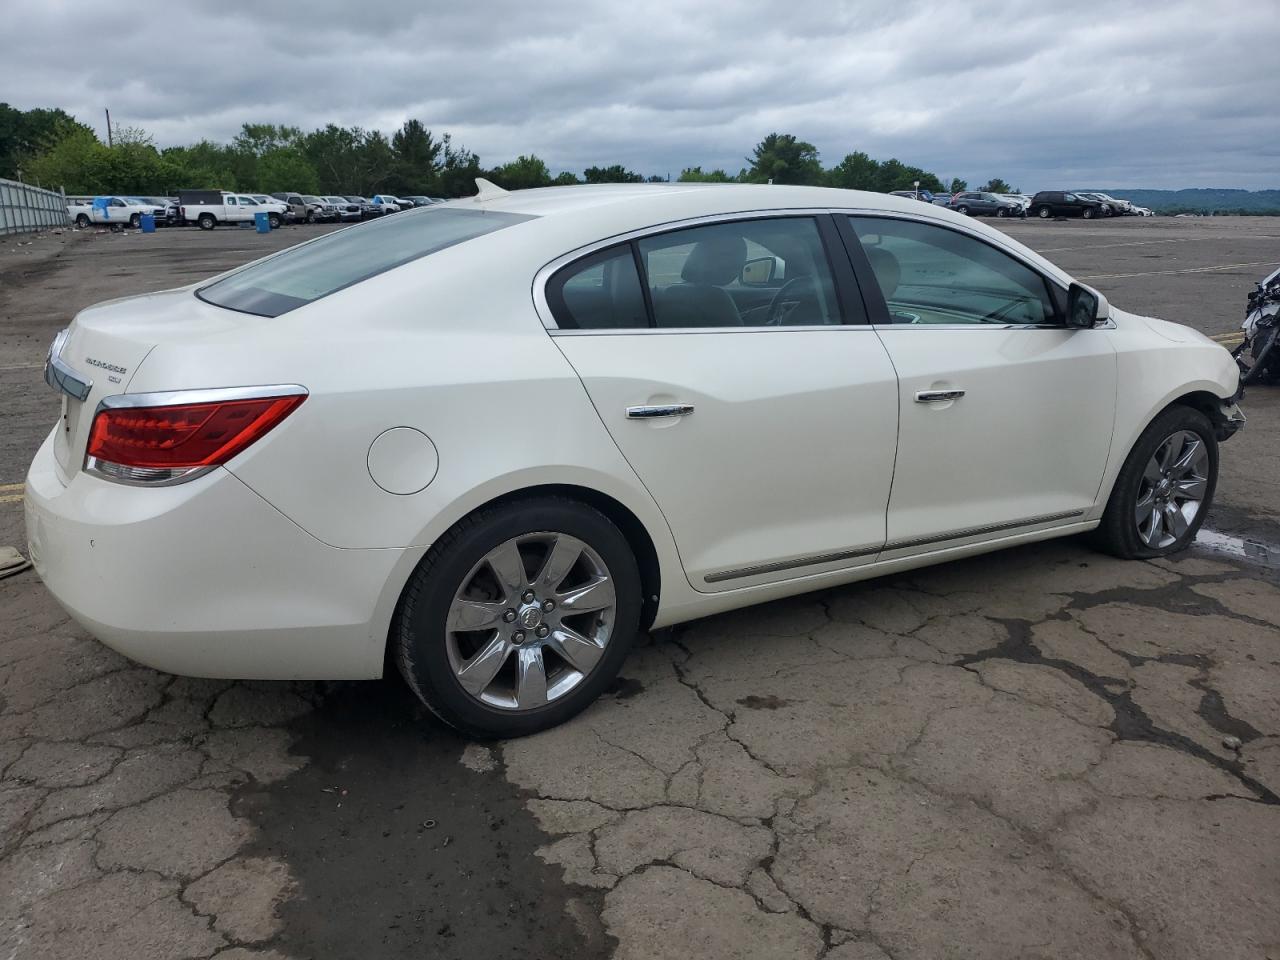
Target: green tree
{"type": "Point", "coordinates": [458, 170]}
{"type": "Point", "coordinates": [25, 133]}
{"type": "Point", "coordinates": [996, 185]}
{"type": "Point", "coordinates": [79, 162]}
{"type": "Point", "coordinates": [286, 169]}
{"type": "Point", "coordinates": [377, 166]}
{"type": "Point", "coordinates": [614, 174]}
{"type": "Point", "coordinates": [698, 175]}
{"type": "Point", "coordinates": [521, 173]}
{"type": "Point", "coordinates": [336, 155]}
{"type": "Point", "coordinates": [958, 185]}
{"type": "Point", "coordinates": [781, 158]}
{"type": "Point", "coordinates": [417, 159]}
{"type": "Point", "coordinates": [856, 171]}
{"type": "Point", "coordinates": [566, 179]}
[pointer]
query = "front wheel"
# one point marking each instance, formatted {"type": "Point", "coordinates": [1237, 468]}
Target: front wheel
{"type": "Point", "coordinates": [274, 221]}
{"type": "Point", "coordinates": [1164, 489]}
{"type": "Point", "coordinates": [518, 617]}
{"type": "Point", "coordinates": [1044, 213]}
{"type": "Point", "coordinates": [82, 221]}
{"type": "Point", "coordinates": [135, 221]}
{"type": "Point", "coordinates": [1001, 212]}
{"type": "Point", "coordinates": [964, 211]}
{"type": "Point", "coordinates": [1088, 213]}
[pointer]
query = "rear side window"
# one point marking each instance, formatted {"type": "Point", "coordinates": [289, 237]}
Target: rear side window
{"type": "Point", "coordinates": [304, 274]}
{"type": "Point", "coordinates": [599, 292]}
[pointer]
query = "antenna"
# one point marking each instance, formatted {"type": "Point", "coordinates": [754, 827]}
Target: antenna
{"type": "Point", "coordinates": [488, 191]}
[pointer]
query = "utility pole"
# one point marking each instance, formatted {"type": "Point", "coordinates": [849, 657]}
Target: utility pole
{"type": "Point", "coordinates": [109, 143]}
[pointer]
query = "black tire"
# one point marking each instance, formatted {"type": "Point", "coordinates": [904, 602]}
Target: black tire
{"type": "Point", "coordinates": [274, 220]}
{"type": "Point", "coordinates": [1118, 533]}
{"type": "Point", "coordinates": [82, 221]}
{"type": "Point", "coordinates": [1001, 212]}
{"type": "Point", "coordinates": [1087, 213]}
{"type": "Point", "coordinates": [1044, 213]}
{"type": "Point", "coordinates": [135, 221]}
{"type": "Point", "coordinates": [962, 210]}
{"type": "Point", "coordinates": [418, 639]}
{"type": "Point", "coordinates": [207, 221]}
{"type": "Point", "coordinates": [311, 216]}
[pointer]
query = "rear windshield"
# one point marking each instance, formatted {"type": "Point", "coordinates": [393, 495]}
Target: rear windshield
{"type": "Point", "coordinates": [296, 277]}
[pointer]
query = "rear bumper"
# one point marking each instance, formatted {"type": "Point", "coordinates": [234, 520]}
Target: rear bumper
{"type": "Point", "coordinates": [208, 579]}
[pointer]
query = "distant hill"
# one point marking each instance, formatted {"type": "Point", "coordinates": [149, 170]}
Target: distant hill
{"type": "Point", "coordinates": [1204, 200]}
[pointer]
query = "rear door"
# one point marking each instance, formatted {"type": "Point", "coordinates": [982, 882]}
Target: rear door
{"type": "Point", "coordinates": [1006, 414]}
{"type": "Point", "coordinates": [766, 430]}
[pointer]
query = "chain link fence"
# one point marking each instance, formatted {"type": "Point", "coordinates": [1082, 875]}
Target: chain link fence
{"type": "Point", "coordinates": [25, 208]}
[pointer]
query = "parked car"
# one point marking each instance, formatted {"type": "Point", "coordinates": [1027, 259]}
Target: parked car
{"type": "Point", "coordinates": [164, 210]}
{"type": "Point", "coordinates": [979, 203]}
{"type": "Point", "coordinates": [310, 499]}
{"type": "Point", "coordinates": [347, 209]}
{"type": "Point", "coordinates": [109, 211]}
{"type": "Point", "coordinates": [1116, 207]}
{"type": "Point", "coordinates": [942, 200]}
{"type": "Point", "coordinates": [208, 208]}
{"type": "Point", "coordinates": [270, 203]}
{"type": "Point", "coordinates": [368, 209]}
{"type": "Point", "coordinates": [298, 208]}
{"type": "Point", "coordinates": [1022, 201]}
{"type": "Point", "coordinates": [923, 195]}
{"type": "Point", "coordinates": [389, 203]}
{"type": "Point", "coordinates": [1057, 203]}
{"type": "Point", "coordinates": [320, 210]}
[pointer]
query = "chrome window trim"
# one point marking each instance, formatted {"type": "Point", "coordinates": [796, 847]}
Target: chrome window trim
{"type": "Point", "coordinates": [543, 307]}
{"type": "Point", "coordinates": [171, 398]}
{"type": "Point", "coordinates": [166, 476]}
{"type": "Point", "coordinates": [61, 375]}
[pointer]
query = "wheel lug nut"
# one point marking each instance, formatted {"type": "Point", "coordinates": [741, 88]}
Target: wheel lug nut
{"type": "Point", "coordinates": [509, 616]}
{"type": "Point", "coordinates": [542, 631]}
{"type": "Point", "coordinates": [518, 637]}
{"type": "Point", "coordinates": [548, 605]}
{"type": "Point", "coordinates": [528, 596]}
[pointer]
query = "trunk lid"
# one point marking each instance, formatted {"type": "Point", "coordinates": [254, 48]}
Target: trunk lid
{"type": "Point", "coordinates": [106, 344]}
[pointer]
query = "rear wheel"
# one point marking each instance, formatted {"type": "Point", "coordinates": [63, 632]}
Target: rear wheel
{"type": "Point", "coordinates": [518, 617]}
{"type": "Point", "coordinates": [207, 221]}
{"type": "Point", "coordinates": [962, 210]}
{"type": "Point", "coordinates": [1087, 213]}
{"type": "Point", "coordinates": [82, 221]}
{"type": "Point", "coordinates": [1044, 213]}
{"type": "Point", "coordinates": [1001, 212]}
{"type": "Point", "coordinates": [1164, 489]}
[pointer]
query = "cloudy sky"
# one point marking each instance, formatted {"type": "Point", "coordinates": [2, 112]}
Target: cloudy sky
{"type": "Point", "coordinates": [1154, 94]}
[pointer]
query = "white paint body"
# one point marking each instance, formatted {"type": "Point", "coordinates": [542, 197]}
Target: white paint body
{"type": "Point", "coordinates": [119, 210]}
{"type": "Point", "coordinates": [437, 387]}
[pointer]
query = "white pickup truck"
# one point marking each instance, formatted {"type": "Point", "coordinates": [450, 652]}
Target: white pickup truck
{"type": "Point", "coordinates": [208, 208]}
{"type": "Point", "coordinates": [111, 211]}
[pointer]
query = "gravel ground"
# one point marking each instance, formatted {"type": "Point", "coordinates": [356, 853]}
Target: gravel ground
{"type": "Point", "coordinates": [1037, 753]}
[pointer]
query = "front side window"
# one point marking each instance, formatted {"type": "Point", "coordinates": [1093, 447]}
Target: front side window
{"type": "Point", "coordinates": [231, 202]}
{"type": "Point", "coordinates": [304, 274]}
{"type": "Point", "coordinates": [931, 274]}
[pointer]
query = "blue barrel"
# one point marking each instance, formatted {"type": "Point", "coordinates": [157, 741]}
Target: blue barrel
{"type": "Point", "coordinates": [263, 221]}
{"type": "Point", "coordinates": [148, 223]}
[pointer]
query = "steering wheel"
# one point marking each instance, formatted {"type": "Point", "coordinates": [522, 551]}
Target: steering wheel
{"type": "Point", "coordinates": [775, 315]}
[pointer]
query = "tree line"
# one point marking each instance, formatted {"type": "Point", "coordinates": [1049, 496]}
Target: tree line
{"type": "Point", "coordinates": [53, 149]}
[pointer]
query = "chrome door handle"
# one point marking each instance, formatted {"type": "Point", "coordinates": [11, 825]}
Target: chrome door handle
{"type": "Point", "coordinates": [938, 396]}
{"type": "Point", "coordinates": [659, 410]}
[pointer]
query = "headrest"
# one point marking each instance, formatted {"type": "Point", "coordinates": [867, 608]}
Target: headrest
{"type": "Point", "coordinates": [717, 259]}
{"type": "Point", "coordinates": [886, 268]}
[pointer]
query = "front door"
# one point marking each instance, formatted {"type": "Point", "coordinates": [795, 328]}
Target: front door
{"type": "Point", "coordinates": [1006, 415]}
{"type": "Point", "coordinates": [760, 418]}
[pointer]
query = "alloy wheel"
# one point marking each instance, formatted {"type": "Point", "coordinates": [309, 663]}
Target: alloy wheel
{"type": "Point", "coordinates": [530, 621]}
{"type": "Point", "coordinates": [1172, 489]}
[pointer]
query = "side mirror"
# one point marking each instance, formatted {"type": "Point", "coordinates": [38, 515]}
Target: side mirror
{"type": "Point", "coordinates": [1085, 307]}
{"type": "Point", "coordinates": [758, 272]}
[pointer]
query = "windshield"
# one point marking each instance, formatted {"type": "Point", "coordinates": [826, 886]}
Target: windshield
{"type": "Point", "coordinates": [304, 274]}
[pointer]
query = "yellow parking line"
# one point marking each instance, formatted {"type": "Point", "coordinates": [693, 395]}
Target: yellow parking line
{"type": "Point", "coordinates": [16, 498]}
{"type": "Point", "coordinates": [21, 366]}
{"type": "Point", "coordinates": [1230, 338]}
{"type": "Point", "coordinates": [1167, 273]}
{"type": "Point", "coordinates": [6, 487]}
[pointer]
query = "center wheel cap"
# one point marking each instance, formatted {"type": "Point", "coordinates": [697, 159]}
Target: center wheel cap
{"type": "Point", "coordinates": [530, 617]}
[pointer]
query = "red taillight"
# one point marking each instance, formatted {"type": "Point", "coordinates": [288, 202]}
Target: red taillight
{"type": "Point", "coordinates": [184, 436]}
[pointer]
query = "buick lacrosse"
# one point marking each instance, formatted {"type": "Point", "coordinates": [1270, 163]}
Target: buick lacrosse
{"type": "Point", "coordinates": [490, 440]}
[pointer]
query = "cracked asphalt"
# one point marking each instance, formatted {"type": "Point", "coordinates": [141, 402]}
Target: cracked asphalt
{"type": "Point", "coordinates": [1042, 753]}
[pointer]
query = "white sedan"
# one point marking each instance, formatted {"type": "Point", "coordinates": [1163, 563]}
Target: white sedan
{"type": "Point", "coordinates": [495, 438]}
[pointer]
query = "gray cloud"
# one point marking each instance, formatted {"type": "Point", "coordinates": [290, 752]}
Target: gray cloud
{"type": "Point", "coordinates": [1100, 93]}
